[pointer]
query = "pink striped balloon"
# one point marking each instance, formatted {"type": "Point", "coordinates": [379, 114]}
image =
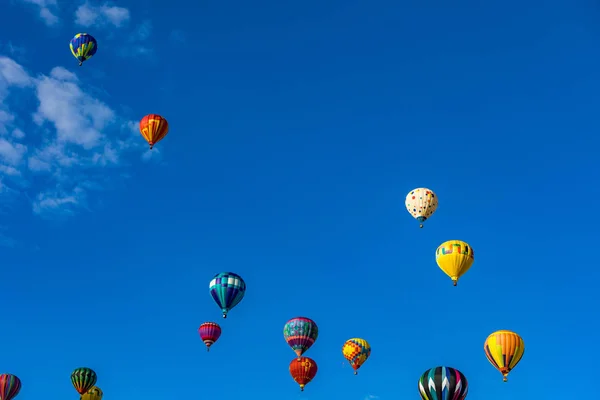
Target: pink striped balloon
{"type": "Point", "coordinates": [209, 333]}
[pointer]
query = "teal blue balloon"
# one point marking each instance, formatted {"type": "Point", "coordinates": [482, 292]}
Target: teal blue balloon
{"type": "Point", "coordinates": [227, 289]}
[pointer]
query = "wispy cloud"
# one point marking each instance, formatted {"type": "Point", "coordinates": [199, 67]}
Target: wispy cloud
{"type": "Point", "coordinates": [75, 137]}
{"type": "Point", "coordinates": [177, 36]}
{"type": "Point", "coordinates": [47, 9]}
{"type": "Point", "coordinates": [371, 397]}
{"type": "Point", "coordinates": [88, 15]}
{"type": "Point", "coordinates": [138, 40]}
{"type": "Point", "coordinates": [12, 49]}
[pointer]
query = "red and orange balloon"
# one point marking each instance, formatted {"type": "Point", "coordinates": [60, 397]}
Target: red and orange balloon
{"type": "Point", "coordinates": [303, 370]}
{"type": "Point", "coordinates": [154, 128]}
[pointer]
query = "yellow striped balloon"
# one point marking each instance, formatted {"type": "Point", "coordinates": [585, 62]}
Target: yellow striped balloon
{"type": "Point", "coordinates": [454, 257]}
{"type": "Point", "coordinates": [504, 350]}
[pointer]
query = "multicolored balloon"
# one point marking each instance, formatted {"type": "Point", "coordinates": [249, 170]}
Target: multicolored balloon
{"type": "Point", "coordinates": [421, 203]}
{"type": "Point", "coordinates": [10, 386]}
{"type": "Point", "coordinates": [504, 350]}
{"type": "Point", "coordinates": [356, 351]}
{"type": "Point", "coordinates": [154, 128]}
{"type": "Point", "coordinates": [83, 379]}
{"type": "Point", "coordinates": [83, 46]}
{"type": "Point", "coordinates": [95, 393]}
{"type": "Point", "coordinates": [443, 383]}
{"type": "Point", "coordinates": [209, 332]}
{"type": "Point", "coordinates": [454, 257]}
{"type": "Point", "coordinates": [303, 370]}
{"type": "Point", "coordinates": [300, 333]}
{"type": "Point", "coordinates": [227, 289]}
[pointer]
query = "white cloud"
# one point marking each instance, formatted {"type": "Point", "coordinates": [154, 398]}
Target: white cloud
{"type": "Point", "coordinates": [11, 74]}
{"type": "Point", "coordinates": [88, 15]}
{"type": "Point", "coordinates": [77, 117]}
{"type": "Point", "coordinates": [17, 133]}
{"type": "Point", "coordinates": [47, 10]}
{"type": "Point", "coordinates": [77, 137]}
{"type": "Point", "coordinates": [53, 201]}
{"type": "Point", "coordinates": [11, 154]}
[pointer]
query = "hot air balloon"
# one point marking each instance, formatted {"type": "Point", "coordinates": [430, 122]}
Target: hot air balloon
{"type": "Point", "coordinates": [504, 349]}
{"type": "Point", "coordinates": [83, 46]}
{"type": "Point", "coordinates": [356, 351]}
{"type": "Point", "coordinates": [443, 383]}
{"type": "Point", "coordinates": [83, 379]}
{"type": "Point", "coordinates": [227, 289]}
{"type": "Point", "coordinates": [209, 333]}
{"type": "Point", "coordinates": [10, 386]}
{"type": "Point", "coordinates": [303, 370]}
{"type": "Point", "coordinates": [154, 128]}
{"type": "Point", "coordinates": [421, 203]}
{"type": "Point", "coordinates": [95, 393]}
{"type": "Point", "coordinates": [300, 333]}
{"type": "Point", "coordinates": [454, 257]}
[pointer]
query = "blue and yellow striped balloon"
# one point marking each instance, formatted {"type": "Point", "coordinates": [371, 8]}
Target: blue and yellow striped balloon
{"type": "Point", "coordinates": [83, 46]}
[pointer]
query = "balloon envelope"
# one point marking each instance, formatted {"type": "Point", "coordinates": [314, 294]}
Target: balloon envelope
{"type": "Point", "coordinates": [10, 386]}
{"type": "Point", "coordinates": [154, 128]}
{"type": "Point", "coordinates": [356, 351]}
{"type": "Point", "coordinates": [303, 370]}
{"type": "Point", "coordinates": [83, 47]}
{"type": "Point", "coordinates": [300, 333]}
{"type": "Point", "coordinates": [83, 379]}
{"type": "Point", "coordinates": [421, 203]}
{"type": "Point", "coordinates": [227, 290]}
{"type": "Point", "coordinates": [504, 349]}
{"type": "Point", "coordinates": [443, 383]}
{"type": "Point", "coordinates": [95, 393]}
{"type": "Point", "coordinates": [454, 257]}
{"type": "Point", "coordinates": [209, 333]}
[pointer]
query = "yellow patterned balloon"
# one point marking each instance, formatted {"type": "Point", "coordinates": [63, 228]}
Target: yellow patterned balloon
{"type": "Point", "coordinates": [95, 393]}
{"type": "Point", "coordinates": [356, 351]}
{"type": "Point", "coordinates": [504, 350]}
{"type": "Point", "coordinates": [421, 203]}
{"type": "Point", "coordinates": [454, 257]}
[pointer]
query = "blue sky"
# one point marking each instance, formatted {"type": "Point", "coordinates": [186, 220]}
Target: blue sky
{"type": "Point", "coordinates": [296, 131]}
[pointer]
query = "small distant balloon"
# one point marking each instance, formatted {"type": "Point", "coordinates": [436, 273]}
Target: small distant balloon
{"type": "Point", "coordinates": [10, 386]}
{"type": "Point", "coordinates": [300, 333]}
{"type": "Point", "coordinates": [227, 290]}
{"type": "Point", "coordinates": [83, 46]}
{"type": "Point", "coordinates": [95, 393]}
{"type": "Point", "coordinates": [154, 128]}
{"type": "Point", "coordinates": [455, 258]}
{"type": "Point", "coordinates": [209, 333]}
{"type": "Point", "coordinates": [83, 379]}
{"type": "Point", "coordinates": [356, 351]}
{"type": "Point", "coordinates": [421, 203]}
{"type": "Point", "coordinates": [504, 350]}
{"type": "Point", "coordinates": [303, 370]}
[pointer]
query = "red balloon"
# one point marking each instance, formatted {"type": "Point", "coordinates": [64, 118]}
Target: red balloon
{"type": "Point", "coordinates": [303, 370]}
{"type": "Point", "coordinates": [209, 333]}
